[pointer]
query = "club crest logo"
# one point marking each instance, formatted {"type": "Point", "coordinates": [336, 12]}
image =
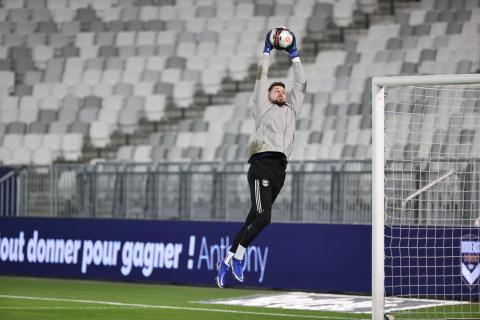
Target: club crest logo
{"type": "Point", "coordinates": [265, 183]}
{"type": "Point", "coordinates": [470, 256]}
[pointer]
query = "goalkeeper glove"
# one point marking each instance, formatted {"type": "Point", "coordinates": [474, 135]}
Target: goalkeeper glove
{"type": "Point", "coordinates": [292, 50]}
{"type": "Point", "coordinates": [268, 46]}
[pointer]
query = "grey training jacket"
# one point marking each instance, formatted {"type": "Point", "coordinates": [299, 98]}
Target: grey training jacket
{"type": "Point", "coordinates": [275, 125]}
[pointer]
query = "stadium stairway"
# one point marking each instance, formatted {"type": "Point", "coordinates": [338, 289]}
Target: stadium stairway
{"type": "Point", "coordinates": [331, 38]}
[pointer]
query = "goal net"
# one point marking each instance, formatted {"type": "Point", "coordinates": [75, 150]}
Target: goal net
{"type": "Point", "coordinates": [426, 197]}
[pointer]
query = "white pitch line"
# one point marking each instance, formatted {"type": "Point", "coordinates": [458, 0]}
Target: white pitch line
{"type": "Point", "coordinates": [113, 303]}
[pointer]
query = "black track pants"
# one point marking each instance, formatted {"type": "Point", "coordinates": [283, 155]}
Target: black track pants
{"type": "Point", "coordinates": [265, 178]}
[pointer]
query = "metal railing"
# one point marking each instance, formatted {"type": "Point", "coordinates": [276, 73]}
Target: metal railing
{"type": "Point", "coordinates": [434, 192]}
{"type": "Point", "coordinates": [314, 191]}
{"type": "Point", "coordinates": [8, 192]}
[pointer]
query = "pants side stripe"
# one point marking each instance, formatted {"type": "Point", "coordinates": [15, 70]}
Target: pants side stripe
{"type": "Point", "coordinates": [257, 196]}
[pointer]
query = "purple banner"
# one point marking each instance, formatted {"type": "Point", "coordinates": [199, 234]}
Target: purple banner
{"type": "Point", "coordinates": [316, 257]}
{"type": "Point", "coordinates": [434, 262]}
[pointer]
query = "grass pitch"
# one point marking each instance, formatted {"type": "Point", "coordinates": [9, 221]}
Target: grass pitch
{"type": "Point", "coordinates": [53, 299]}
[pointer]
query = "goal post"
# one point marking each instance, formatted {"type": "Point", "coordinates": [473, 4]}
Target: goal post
{"type": "Point", "coordinates": [401, 147]}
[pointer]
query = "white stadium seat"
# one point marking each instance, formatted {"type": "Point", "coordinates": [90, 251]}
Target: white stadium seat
{"type": "Point", "coordinates": [72, 144]}
{"type": "Point", "coordinates": [42, 156]}
{"type": "Point", "coordinates": [100, 134]}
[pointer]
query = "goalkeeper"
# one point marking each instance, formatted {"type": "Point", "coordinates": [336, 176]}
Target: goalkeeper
{"type": "Point", "coordinates": [275, 115]}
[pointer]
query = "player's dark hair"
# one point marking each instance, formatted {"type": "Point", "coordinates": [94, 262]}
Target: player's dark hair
{"type": "Point", "coordinates": [277, 83]}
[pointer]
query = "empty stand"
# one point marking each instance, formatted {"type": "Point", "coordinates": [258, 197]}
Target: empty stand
{"type": "Point", "coordinates": [83, 74]}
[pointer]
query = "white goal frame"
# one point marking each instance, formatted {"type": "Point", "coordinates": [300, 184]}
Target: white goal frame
{"type": "Point", "coordinates": [378, 214]}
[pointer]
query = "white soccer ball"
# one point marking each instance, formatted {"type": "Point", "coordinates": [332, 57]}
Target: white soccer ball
{"type": "Point", "coordinates": [281, 38]}
{"type": "Point", "coordinates": [389, 317]}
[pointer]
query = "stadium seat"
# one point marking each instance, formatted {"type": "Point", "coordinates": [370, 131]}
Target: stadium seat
{"type": "Point", "coordinates": [5, 155]}
{"type": "Point", "coordinates": [123, 89]}
{"type": "Point", "coordinates": [113, 102]}
{"type": "Point", "coordinates": [109, 116]}
{"type": "Point", "coordinates": [32, 141]}
{"type": "Point", "coordinates": [238, 68]}
{"type": "Point", "coordinates": [79, 127]}
{"type": "Point", "coordinates": [142, 153]}
{"type": "Point", "coordinates": [155, 107]}
{"type": "Point", "coordinates": [67, 115]}
{"type": "Point", "coordinates": [72, 144]}
{"type": "Point", "coordinates": [100, 134]}
{"type": "Point", "coordinates": [183, 93]}
{"type": "Point", "coordinates": [211, 81]}
{"type": "Point", "coordinates": [128, 120]}
{"type": "Point", "coordinates": [42, 156]}
{"type": "Point", "coordinates": [22, 155]}
{"type": "Point", "coordinates": [125, 153]}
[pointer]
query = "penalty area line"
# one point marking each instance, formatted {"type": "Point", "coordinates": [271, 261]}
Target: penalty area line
{"type": "Point", "coordinates": [148, 306]}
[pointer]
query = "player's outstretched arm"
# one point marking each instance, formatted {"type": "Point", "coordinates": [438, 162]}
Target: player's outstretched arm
{"type": "Point", "coordinates": [260, 93]}
{"type": "Point", "coordinates": [297, 94]}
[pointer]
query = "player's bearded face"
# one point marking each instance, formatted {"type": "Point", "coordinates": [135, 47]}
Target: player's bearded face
{"type": "Point", "coordinates": [277, 95]}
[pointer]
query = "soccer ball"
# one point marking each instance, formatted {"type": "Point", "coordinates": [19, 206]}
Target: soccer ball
{"type": "Point", "coordinates": [389, 317]}
{"type": "Point", "coordinates": [281, 38]}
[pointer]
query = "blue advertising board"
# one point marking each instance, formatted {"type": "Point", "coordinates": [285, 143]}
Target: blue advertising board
{"type": "Point", "coordinates": [316, 257]}
{"type": "Point", "coordinates": [433, 262]}
{"type": "Point", "coordinates": [428, 262]}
